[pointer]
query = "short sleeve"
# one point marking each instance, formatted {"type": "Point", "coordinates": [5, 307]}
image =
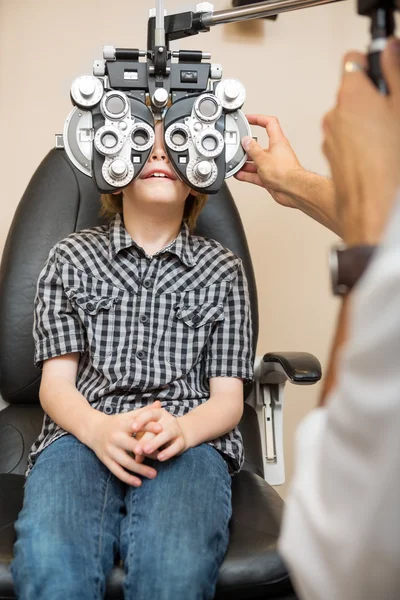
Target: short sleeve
{"type": "Point", "coordinates": [229, 350]}
{"type": "Point", "coordinates": [57, 329]}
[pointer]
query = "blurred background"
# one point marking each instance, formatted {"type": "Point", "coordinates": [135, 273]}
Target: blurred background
{"type": "Point", "coordinates": [290, 68]}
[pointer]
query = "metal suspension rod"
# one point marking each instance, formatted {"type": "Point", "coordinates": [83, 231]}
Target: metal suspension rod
{"type": "Point", "coordinates": [259, 10]}
{"type": "Point", "coordinates": [160, 31]}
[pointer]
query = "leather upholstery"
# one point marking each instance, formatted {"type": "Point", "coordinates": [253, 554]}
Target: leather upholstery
{"type": "Point", "coordinates": [298, 367]}
{"type": "Point", "coordinates": [58, 201]}
{"type": "Point", "coordinates": [19, 427]}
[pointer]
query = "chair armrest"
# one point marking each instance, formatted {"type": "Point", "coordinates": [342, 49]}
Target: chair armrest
{"type": "Point", "coordinates": [301, 368]}
{"type": "Point", "coordinates": [271, 372]}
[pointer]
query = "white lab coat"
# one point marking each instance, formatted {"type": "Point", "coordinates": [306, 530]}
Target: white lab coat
{"type": "Point", "coordinates": [341, 529]}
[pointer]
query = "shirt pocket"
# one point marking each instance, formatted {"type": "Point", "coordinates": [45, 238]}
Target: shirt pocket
{"type": "Point", "coordinates": [98, 315]}
{"type": "Point", "coordinates": [191, 326]}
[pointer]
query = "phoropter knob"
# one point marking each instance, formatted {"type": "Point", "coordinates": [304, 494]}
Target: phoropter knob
{"type": "Point", "coordinates": [118, 169]}
{"type": "Point", "coordinates": [203, 169]}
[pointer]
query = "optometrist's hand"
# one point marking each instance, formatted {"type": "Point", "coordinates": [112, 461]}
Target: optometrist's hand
{"type": "Point", "coordinates": [112, 441]}
{"type": "Point", "coordinates": [278, 170]}
{"type": "Point", "coordinates": [170, 442]}
{"type": "Point", "coordinates": [362, 144]}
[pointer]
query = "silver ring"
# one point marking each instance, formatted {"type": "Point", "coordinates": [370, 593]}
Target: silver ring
{"type": "Point", "coordinates": [351, 66]}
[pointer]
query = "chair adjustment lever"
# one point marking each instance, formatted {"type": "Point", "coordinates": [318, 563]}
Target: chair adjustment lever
{"type": "Point", "coordinates": [269, 400]}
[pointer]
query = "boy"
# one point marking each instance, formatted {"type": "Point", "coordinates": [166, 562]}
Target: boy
{"type": "Point", "coordinates": [144, 334]}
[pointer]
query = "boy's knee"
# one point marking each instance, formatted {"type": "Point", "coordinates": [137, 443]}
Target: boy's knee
{"type": "Point", "coordinates": [41, 569]}
{"type": "Point", "coordinates": [194, 573]}
{"type": "Point", "coordinates": [185, 573]}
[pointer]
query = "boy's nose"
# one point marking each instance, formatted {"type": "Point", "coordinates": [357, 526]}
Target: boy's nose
{"type": "Point", "coordinates": [158, 153]}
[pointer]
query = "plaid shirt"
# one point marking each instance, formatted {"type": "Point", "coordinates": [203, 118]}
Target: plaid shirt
{"type": "Point", "coordinates": [147, 327]}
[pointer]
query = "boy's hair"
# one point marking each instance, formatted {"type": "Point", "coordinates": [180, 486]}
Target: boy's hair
{"type": "Point", "coordinates": [112, 204]}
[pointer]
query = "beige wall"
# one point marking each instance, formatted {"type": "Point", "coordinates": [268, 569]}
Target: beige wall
{"type": "Point", "coordinates": [290, 68]}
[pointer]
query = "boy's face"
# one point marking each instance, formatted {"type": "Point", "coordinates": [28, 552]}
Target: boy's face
{"type": "Point", "coordinates": [158, 181]}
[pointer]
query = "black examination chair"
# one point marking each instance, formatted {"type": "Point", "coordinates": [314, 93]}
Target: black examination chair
{"type": "Point", "coordinates": [58, 201]}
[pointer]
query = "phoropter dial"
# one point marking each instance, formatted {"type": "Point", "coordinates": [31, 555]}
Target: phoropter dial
{"type": "Point", "coordinates": [117, 171]}
{"type": "Point", "coordinates": [201, 173]}
{"type": "Point", "coordinates": [86, 91]}
{"type": "Point", "coordinates": [231, 94]}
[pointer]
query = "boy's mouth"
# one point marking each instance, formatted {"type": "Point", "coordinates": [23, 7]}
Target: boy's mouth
{"type": "Point", "coordinates": [159, 174]}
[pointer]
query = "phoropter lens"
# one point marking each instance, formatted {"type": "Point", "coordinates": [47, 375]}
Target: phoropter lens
{"type": "Point", "coordinates": [109, 140]}
{"type": "Point", "coordinates": [208, 108]}
{"type": "Point", "coordinates": [115, 105]}
{"type": "Point", "coordinates": [179, 137]}
{"type": "Point", "coordinates": [140, 137]}
{"type": "Point", "coordinates": [209, 143]}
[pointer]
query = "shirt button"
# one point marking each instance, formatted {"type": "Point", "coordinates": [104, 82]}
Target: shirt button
{"type": "Point", "coordinates": [108, 410]}
{"type": "Point", "coordinates": [196, 318]}
{"type": "Point", "coordinates": [90, 305]}
{"type": "Point", "coordinates": [140, 355]}
{"type": "Point", "coordinates": [143, 318]}
{"type": "Point", "coordinates": [147, 283]}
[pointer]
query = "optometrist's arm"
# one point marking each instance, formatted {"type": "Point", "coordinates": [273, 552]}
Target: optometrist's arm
{"type": "Point", "coordinates": [278, 170]}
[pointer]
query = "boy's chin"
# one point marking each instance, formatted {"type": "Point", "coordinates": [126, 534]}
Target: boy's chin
{"type": "Point", "coordinates": [157, 193]}
{"type": "Point", "coordinates": [161, 199]}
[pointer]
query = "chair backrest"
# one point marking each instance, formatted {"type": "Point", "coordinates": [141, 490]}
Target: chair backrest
{"type": "Point", "coordinates": [58, 201]}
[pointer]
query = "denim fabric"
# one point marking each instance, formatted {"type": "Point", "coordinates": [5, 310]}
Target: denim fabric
{"type": "Point", "coordinates": [77, 518]}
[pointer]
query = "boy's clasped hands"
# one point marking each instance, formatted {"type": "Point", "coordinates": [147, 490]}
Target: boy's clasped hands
{"type": "Point", "coordinates": [123, 441]}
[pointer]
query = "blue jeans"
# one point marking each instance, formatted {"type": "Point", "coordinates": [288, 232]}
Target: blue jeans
{"type": "Point", "coordinates": [77, 517]}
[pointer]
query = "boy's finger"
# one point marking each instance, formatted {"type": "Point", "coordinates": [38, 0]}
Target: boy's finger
{"type": "Point", "coordinates": [121, 474]}
{"type": "Point", "coordinates": [152, 427]}
{"type": "Point", "coordinates": [172, 450]}
{"type": "Point", "coordinates": [128, 462]}
{"type": "Point", "coordinates": [130, 416]}
{"type": "Point", "coordinates": [156, 443]}
{"type": "Point", "coordinates": [155, 404]}
{"type": "Point", "coordinates": [148, 415]}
